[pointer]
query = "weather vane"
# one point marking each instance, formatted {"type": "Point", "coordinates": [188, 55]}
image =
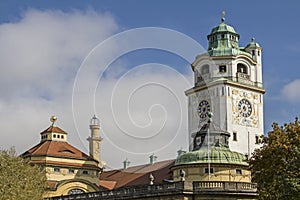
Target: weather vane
{"type": "Point", "coordinates": [223, 16]}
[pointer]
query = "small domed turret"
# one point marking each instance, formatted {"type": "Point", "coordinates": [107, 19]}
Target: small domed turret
{"type": "Point", "coordinates": [252, 44]}
{"type": "Point", "coordinates": [95, 121]}
{"type": "Point", "coordinates": [255, 50]}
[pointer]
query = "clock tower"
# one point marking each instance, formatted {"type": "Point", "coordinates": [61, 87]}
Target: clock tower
{"type": "Point", "coordinates": [228, 83]}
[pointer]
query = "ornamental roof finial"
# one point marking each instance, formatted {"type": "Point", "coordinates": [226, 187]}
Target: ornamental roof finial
{"type": "Point", "coordinates": [53, 120]}
{"type": "Point", "coordinates": [223, 16]}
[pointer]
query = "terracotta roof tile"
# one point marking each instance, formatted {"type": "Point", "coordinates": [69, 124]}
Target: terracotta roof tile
{"type": "Point", "coordinates": [52, 184]}
{"type": "Point", "coordinates": [107, 185]}
{"type": "Point", "coordinates": [53, 129]}
{"type": "Point", "coordinates": [139, 175]}
{"type": "Point", "coordinates": [57, 149]}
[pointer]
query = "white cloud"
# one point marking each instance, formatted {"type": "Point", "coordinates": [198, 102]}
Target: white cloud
{"type": "Point", "coordinates": [291, 91]}
{"type": "Point", "coordinates": [144, 112]}
{"type": "Point", "coordinates": [39, 58]}
{"type": "Point", "coordinates": [142, 109]}
{"type": "Point", "coordinates": [43, 50]}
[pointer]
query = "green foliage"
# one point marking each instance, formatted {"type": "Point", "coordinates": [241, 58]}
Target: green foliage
{"type": "Point", "coordinates": [18, 180]}
{"type": "Point", "coordinates": [276, 165]}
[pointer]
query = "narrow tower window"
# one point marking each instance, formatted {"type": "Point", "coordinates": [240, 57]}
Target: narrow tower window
{"type": "Point", "coordinates": [234, 136]}
{"type": "Point", "coordinates": [260, 98]}
{"type": "Point", "coordinates": [256, 139]}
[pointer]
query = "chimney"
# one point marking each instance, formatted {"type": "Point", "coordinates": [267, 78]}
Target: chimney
{"type": "Point", "coordinates": [153, 159]}
{"type": "Point", "coordinates": [126, 164]}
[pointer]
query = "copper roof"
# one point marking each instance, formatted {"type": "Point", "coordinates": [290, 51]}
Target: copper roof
{"type": "Point", "coordinates": [137, 175]}
{"type": "Point", "coordinates": [56, 149]}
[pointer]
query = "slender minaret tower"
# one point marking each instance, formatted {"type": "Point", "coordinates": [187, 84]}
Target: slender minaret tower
{"type": "Point", "coordinates": [95, 139]}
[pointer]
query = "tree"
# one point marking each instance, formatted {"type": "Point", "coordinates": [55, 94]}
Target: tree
{"type": "Point", "coordinates": [18, 180]}
{"type": "Point", "coordinates": [276, 165]}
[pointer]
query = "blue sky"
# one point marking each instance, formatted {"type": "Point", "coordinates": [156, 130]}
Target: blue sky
{"type": "Point", "coordinates": [275, 27]}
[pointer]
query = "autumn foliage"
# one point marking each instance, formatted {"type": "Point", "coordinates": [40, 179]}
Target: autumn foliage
{"type": "Point", "coordinates": [18, 180]}
{"type": "Point", "coordinates": [276, 165]}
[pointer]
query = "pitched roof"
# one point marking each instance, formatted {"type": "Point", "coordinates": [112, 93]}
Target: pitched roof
{"type": "Point", "coordinates": [53, 129]}
{"type": "Point", "coordinates": [137, 175]}
{"type": "Point", "coordinates": [107, 185]}
{"type": "Point", "coordinates": [56, 149]}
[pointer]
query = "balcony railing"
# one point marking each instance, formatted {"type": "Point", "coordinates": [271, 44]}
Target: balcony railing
{"type": "Point", "coordinates": [224, 186]}
{"type": "Point", "coordinates": [174, 188]}
{"type": "Point", "coordinates": [239, 78]}
{"type": "Point", "coordinates": [128, 192]}
{"type": "Point", "coordinates": [243, 76]}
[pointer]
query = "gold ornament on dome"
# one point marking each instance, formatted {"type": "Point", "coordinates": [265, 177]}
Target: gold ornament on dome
{"type": "Point", "coordinates": [53, 120]}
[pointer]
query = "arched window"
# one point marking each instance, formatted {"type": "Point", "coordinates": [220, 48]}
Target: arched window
{"type": "Point", "coordinates": [241, 68]}
{"type": "Point", "coordinates": [205, 69]}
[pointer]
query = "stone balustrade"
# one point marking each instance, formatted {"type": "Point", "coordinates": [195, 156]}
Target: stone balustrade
{"type": "Point", "coordinates": [169, 188]}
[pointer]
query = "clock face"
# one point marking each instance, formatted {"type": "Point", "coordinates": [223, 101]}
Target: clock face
{"type": "Point", "coordinates": [203, 109]}
{"type": "Point", "coordinates": [245, 108]}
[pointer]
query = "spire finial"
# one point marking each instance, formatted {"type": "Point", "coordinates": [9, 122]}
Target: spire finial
{"type": "Point", "coordinates": [252, 39]}
{"type": "Point", "coordinates": [223, 16]}
{"type": "Point", "coordinates": [53, 120]}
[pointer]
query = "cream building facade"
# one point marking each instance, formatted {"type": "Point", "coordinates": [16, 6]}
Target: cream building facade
{"type": "Point", "coordinates": [68, 170]}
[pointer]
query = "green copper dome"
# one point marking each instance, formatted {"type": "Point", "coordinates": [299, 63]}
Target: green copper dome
{"type": "Point", "coordinates": [217, 155]}
{"type": "Point", "coordinates": [252, 44]}
{"type": "Point", "coordinates": [211, 137]}
{"type": "Point", "coordinates": [223, 28]}
{"type": "Point", "coordinates": [224, 41]}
